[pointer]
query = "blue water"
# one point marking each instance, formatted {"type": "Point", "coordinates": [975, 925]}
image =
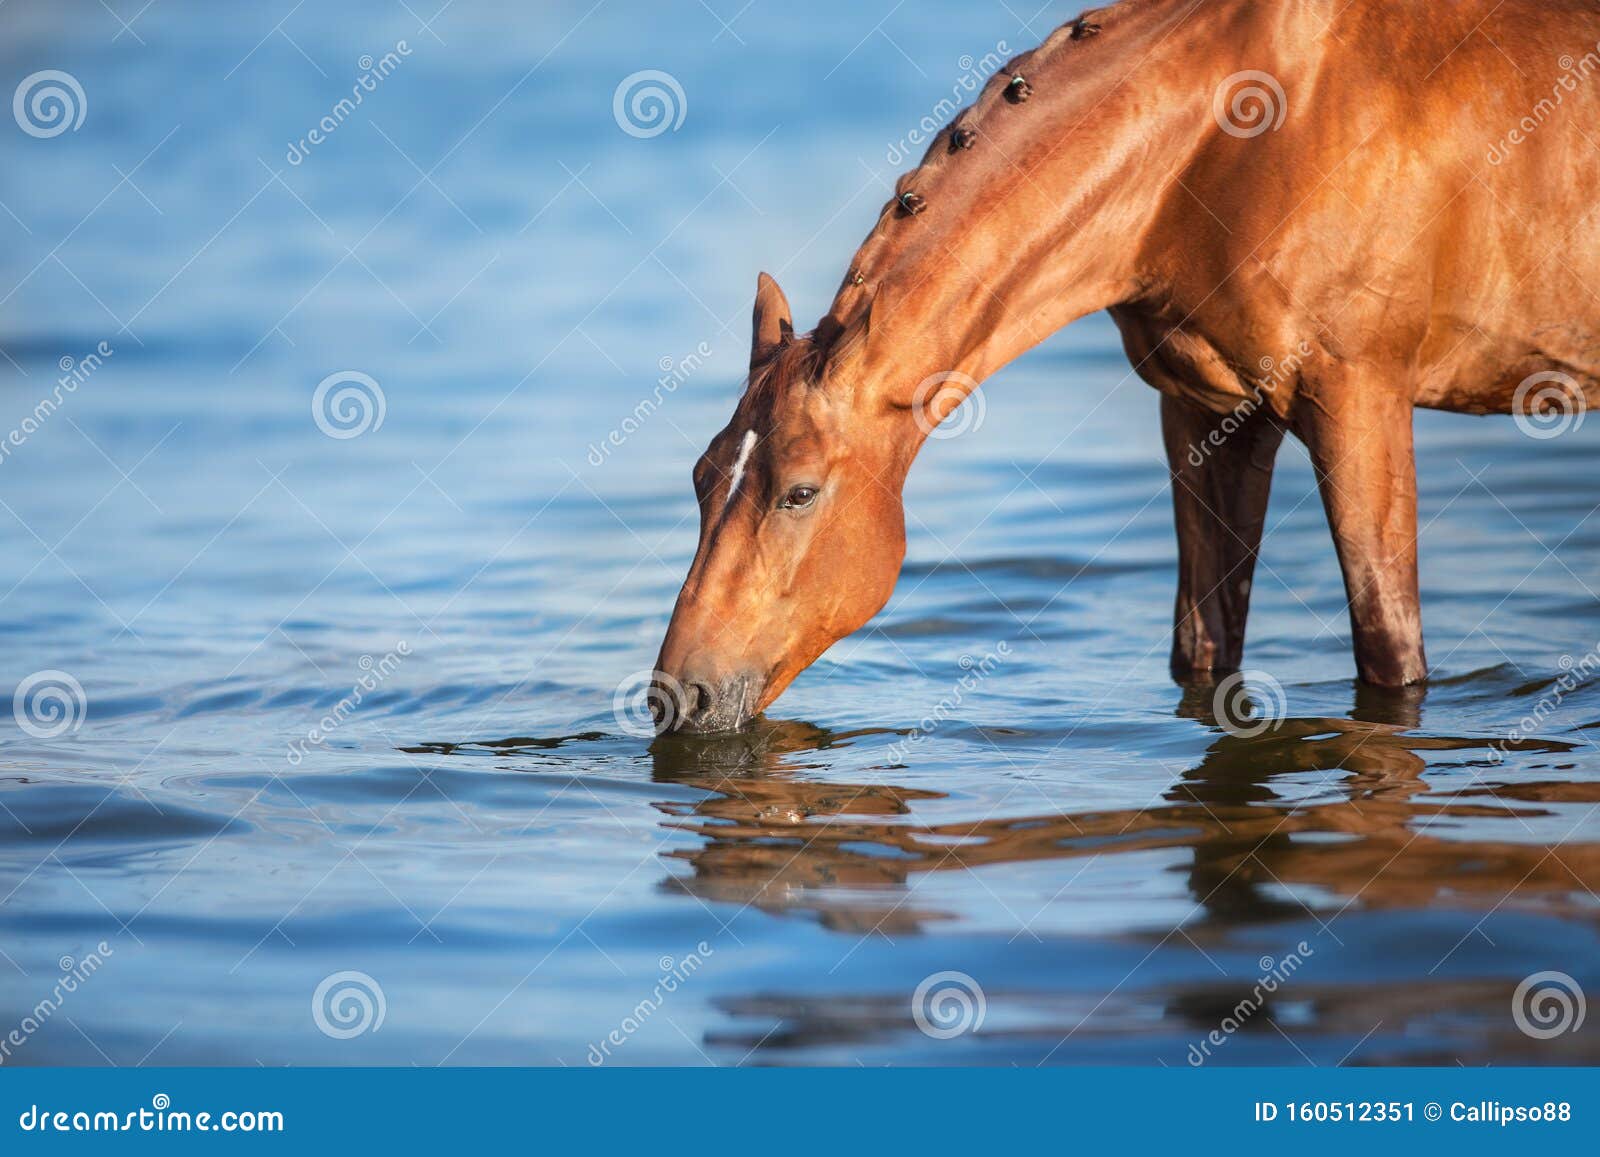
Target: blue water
{"type": "Point", "coordinates": [480, 837]}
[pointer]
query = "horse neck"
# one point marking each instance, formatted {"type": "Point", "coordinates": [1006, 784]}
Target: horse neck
{"type": "Point", "coordinates": [1036, 224]}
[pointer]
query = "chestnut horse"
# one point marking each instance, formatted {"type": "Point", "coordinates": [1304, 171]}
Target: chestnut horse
{"type": "Point", "coordinates": [1388, 203]}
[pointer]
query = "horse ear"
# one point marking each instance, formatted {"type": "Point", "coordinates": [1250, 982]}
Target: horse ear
{"type": "Point", "coordinates": [772, 325]}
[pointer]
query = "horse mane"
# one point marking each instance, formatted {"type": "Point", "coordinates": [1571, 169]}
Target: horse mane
{"type": "Point", "coordinates": [848, 320]}
{"type": "Point", "coordinates": [804, 360]}
{"type": "Point", "coordinates": [794, 360]}
{"type": "Point", "coordinates": [950, 157]}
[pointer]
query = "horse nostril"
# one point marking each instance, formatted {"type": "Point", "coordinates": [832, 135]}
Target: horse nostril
{"type": "Point", "coordinates": [697, 699]}
{"type": "Point", "coordinates": [673, 703]}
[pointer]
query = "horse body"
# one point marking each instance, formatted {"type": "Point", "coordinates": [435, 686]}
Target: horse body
{"type": "Point", "coordinates": [1381, 222]}
{"type": "Point", "coordinates": [1304, 217]}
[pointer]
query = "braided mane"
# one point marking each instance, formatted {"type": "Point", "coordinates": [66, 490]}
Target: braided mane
{"type": "Point", "coordinates": [896, 233]}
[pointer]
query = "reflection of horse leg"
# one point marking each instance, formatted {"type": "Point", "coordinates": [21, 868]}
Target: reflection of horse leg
{"type": "Point", "coordinates": [1359, 437]}
{"type": "Point", "coordinates": [1391, 706]}
{"type": "Point", "coordinates": [1221, 476]}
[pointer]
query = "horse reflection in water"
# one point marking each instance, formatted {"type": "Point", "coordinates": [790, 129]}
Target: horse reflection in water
{"type": "Point", "coordinates": [850, 854]}
{"type": "Point", "coordinates": [1257, 836]}
{"type": "Point", "coordinates": [1298, 828]}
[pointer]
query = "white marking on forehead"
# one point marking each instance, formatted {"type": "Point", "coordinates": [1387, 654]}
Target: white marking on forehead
{"type": "Point", "coordinates": [745, 446]}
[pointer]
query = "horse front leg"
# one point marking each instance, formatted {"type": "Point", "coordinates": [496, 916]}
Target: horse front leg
{"type": "Point", "coordinates": [1360, 440]}
{"type": "Point", "coordinates": [1221, 467]}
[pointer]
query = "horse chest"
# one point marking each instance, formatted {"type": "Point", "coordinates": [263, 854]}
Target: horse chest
{"type": "Point", "coordinates": [1186, 364]}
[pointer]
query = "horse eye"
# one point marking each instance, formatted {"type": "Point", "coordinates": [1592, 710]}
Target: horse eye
{"type": "Point", "coordinates": [798, 497]}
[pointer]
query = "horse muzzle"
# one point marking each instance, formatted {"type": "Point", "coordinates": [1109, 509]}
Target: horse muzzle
{"type": "Point", "coordinates": [697, 702]}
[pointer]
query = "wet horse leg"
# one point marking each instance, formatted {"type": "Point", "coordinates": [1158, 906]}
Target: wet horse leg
{"type": "Point", "coordinates": [1221, 467]}
{"type": "Point", "coordinates": [1360, 440]}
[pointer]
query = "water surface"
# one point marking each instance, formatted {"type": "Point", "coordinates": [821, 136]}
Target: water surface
{"type": "Point", "coordinates": [479, 836]}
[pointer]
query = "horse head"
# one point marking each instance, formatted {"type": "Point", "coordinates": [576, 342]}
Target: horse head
{"type": "Point", "coordinates": [802, 531]}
